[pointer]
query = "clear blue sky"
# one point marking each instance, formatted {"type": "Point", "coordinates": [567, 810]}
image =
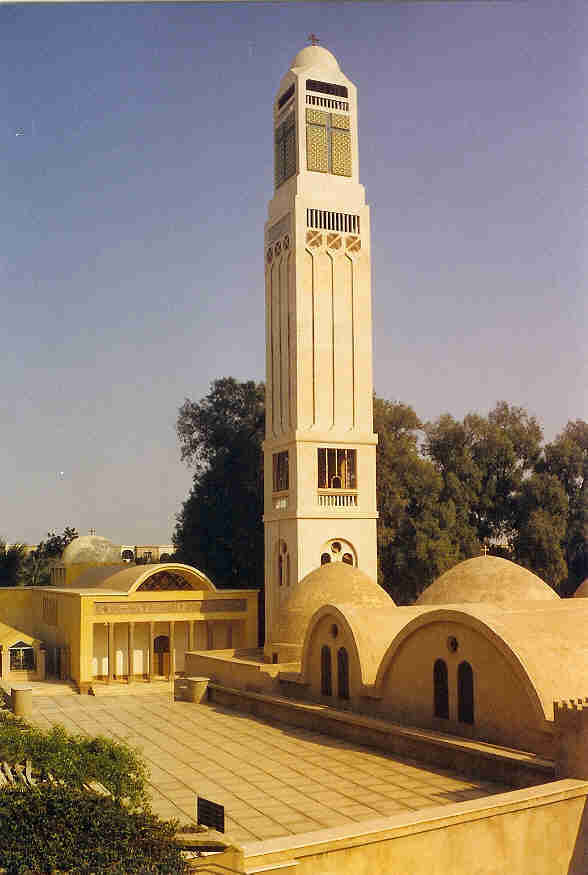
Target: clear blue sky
{"type": "Point", "coordinates": [136, 169]}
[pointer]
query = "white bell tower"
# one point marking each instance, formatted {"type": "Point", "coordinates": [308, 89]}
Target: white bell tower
{"type": "Point", "coordinates": [320, 449]}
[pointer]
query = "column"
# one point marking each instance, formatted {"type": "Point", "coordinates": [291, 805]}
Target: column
{"type": "Point", "coordinates": [191, 634]}
{"type": "Point", "coordinates": [130, 652]}
{"type": "Point", "coordinates": [41, 663]}
{"type": "Point", "coordinates": [172, 648]}
{"type": "Point", "coordinates": [67, 651]}
{"type": "Point", "coordinates": [151, 651]}
{"type": "Point", "coordinates": [110, 627]}
{"type": "Point", "coordinates": [2, 658]}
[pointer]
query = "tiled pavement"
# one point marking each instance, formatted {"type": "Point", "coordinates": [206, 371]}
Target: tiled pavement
{"type": "Point", "coordinates": [272, 779]}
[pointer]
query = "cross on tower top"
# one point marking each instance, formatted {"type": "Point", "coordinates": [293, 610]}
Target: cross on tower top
{"type": "Point", "coordinates": [314, 40]}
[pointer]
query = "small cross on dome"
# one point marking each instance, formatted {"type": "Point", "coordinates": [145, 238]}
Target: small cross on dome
{"type": "Point", "coordinates": [485, 549]}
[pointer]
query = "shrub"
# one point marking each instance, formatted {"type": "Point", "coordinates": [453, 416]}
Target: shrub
{"type": "Point", "coordinates": [63, 829]}
{"type": "Point", "coordinates": [76, 759]}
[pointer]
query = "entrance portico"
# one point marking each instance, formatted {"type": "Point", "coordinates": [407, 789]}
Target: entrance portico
{"type": "Point", "coordinates": [135, 650]}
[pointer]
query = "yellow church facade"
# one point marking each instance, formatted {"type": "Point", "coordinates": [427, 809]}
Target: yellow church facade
{"type": "Point", "coordinates": [104, 622]}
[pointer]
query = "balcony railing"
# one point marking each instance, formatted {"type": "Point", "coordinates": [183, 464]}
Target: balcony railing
{"type": "Point", "coordinates": [337, 498]}
{"type": "Point", "coordinates": [280, 500]}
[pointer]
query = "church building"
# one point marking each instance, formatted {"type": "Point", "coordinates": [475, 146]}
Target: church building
{"type": "Point", "coordinates": [485, 675]}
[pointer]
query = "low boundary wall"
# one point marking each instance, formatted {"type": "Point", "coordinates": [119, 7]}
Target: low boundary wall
{"type": "Point", "coordinates": [469, 757]}
{"type": "Point", "coordinates": [539, 830]}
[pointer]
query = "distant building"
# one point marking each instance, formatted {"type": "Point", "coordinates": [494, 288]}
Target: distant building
{"type": "Point", "coordinates": [147, 552]}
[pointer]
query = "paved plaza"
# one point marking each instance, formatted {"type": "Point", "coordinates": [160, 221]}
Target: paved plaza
{"type": "Point", "coordinates": [273, 779]}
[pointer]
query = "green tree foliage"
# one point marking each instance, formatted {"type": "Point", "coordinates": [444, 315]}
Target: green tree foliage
{"type": "Point", "coordinates": [76, 759]}
{"type": "Point", "coordinates": [219, 527]}
{"type": "Point", "coordinates": [567, 459]}
{"type": "Point", "coordinates": [419, 533]}
{"type": "Point", "coordinates": [36, 568]}
{"type": "Point", "coordinates": [484, 461]}
{"type": "Point", "coordinates": [11, 563]}
{"type": "Point", "coordinates": [541, 528]}
{"type": "Point", "coordinates": [63, 829]}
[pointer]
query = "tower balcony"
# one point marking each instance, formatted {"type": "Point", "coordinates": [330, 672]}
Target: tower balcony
{"type": "Point", "coordinates": [337, 498]}
{"type": "Point", "coordinates": [280, 500]}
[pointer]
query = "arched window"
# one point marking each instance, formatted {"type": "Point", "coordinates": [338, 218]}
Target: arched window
{"type": "Point", "coordinates": [338, 551]}
{"type": "Point", "coordinates": [326, 680]}
{"type": "Point", "coordinates": [441, 689]}
{"type": "Point", "coordinates": [342, 673]}
{"type": "Point", "coordinates": [465, 693]}
{"type": "Point", "coordinates": [283, 564]}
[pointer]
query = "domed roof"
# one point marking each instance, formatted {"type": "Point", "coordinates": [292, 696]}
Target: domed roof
{"type": "Point", "coordinates": [316, 56]}
{"type": "Point", "coordinates": [91, 550]}
{"type": "Point", "coordinates": [486, 579]}
{"type": "Point", "coordinates": [582, 591]}
{"type": "Point", "coordinates": [335, 582]}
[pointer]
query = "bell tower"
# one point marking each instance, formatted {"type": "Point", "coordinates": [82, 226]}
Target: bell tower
{"type": "Point", "coordinates": [319, 448]}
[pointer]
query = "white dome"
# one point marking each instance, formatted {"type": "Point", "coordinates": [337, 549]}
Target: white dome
{"type": "Point", "coordinates": [316, 56]}
{"type": "Point", "coordinates": [336, 583]}
{"type": "Point", "coordinates": [91, 549]}
{"type": "Point", "coordinates": [486, 579]}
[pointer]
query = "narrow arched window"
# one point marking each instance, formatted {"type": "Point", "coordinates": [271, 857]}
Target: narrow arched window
{"type": "Point", "coordinates": [465, 693]}
{"type": "Point", "coordinates": [441, 689]}
{"type": "Point", "coordinates": [325, 559]}
{"type": "Point", "coordinates": [342, 673]}
{"type": "Point", "coordinates": [326, 680]}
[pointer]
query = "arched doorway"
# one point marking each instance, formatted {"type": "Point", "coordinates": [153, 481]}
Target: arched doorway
{"type": "Point", "coordinates": [22, 657]}
{"type": "Point", "coordinates": [161, 654]}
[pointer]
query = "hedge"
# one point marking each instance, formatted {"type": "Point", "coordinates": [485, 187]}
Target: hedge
{"type": "Point", "coordinates": [59, 829]}
{"type": "Point", "coordinates": [76, 759]}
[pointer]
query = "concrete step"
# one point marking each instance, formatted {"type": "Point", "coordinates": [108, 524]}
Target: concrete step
{"type": "Point", "coordinates": [43, 688]}
{"type": "Point", "coordinates": [137, 688]}
{"type": "Point", "coordinates": [288, 868]}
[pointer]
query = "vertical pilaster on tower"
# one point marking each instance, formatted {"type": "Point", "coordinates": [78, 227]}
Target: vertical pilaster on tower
{"type": "Point", "coordinates": [320, 449]}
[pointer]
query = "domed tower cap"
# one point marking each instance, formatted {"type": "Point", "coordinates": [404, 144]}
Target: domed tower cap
{"type": "Point", "coordinates": [316, 56]}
